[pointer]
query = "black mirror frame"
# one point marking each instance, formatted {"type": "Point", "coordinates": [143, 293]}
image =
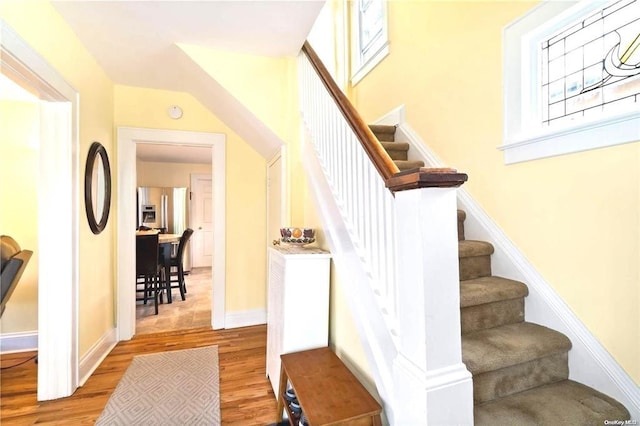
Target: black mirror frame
{"type": "Point", "coordinates": [96, 149]}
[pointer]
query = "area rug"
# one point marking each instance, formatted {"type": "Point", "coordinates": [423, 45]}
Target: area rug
{"type": "Point", "coordinates": [167, 388]}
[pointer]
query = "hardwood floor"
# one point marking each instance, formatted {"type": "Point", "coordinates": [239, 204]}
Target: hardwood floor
{"type": "Point", "coordinates": [246, 397]}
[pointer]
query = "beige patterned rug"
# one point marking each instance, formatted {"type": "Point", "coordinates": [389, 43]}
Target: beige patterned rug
{"type": "Point", "coordinates": [167, 388]}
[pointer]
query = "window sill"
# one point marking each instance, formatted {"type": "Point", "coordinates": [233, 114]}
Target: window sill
{"type": "Point", "coordinates": [598, 134]}
{"type": "Point", "coordinates": [370, 64]}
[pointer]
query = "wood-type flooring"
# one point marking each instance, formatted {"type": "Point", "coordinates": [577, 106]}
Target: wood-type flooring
{"type": "Point", "coordinates": [246, 395]}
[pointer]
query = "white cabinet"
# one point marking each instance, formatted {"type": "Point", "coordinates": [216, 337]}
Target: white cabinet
{"type": "Point", "coordinates": [298, 303]}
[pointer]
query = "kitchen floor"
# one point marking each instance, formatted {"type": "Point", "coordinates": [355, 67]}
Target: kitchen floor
{"type": "Point", "coordinates": [193, 312]}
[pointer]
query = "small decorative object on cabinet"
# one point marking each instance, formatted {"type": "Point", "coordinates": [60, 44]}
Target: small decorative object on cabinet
{"type": "Point", "coordinates": [326, 392]}
{"type": "Point", "coordinates": [298, 236]}
{"type": "Point", "coordinates": [298, 303]}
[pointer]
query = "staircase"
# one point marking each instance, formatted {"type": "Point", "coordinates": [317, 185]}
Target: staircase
{"type": "Point", "coordinates": [520, 369]}
{"type": "Point", "coordinates": [396, 150]}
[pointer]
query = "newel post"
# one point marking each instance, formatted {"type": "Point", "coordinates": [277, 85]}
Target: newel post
{"type": "Point", "coordinates": [431, 384]}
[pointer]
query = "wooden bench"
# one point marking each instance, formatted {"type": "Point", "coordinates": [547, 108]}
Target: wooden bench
{"type": "Point", "coordinates": [328, 393]}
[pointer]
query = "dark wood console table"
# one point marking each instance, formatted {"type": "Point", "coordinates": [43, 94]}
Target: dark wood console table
{"type": "Point", "coordinates": [328, 393]}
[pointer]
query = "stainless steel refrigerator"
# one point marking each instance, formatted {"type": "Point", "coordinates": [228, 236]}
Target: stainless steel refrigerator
{"type": "Point", "coordinates": [165, 209]}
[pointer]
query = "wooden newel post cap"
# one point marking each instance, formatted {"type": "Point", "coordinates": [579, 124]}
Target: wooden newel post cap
{"type": "Point", "coordinates": [426, 177]}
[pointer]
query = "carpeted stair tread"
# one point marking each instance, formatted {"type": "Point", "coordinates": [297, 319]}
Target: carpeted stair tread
{"type": "Point", "coordinates": [483, 290]}
{"type": "Point", "coordinates": [472, 248]}
{"type": "Point", "coordinates": [384, 133]}
{"type": "Point", "coordinates": [408, 165]}
{"type": "Point", "coordinates": [507, 381]}
{"type": "Point", "coordinates": [561, 403]}
{"type": "Point", "coordinates": [507, 345]}
{"type": "Point", "coordinates": [396, 150]}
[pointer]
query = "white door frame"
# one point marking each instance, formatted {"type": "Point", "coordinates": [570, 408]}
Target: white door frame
{"type": "Point", "coordinates": [128, 137]}
{"type": "Point", "coordinates": [58, 211]}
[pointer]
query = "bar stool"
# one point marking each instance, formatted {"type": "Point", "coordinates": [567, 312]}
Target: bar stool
{"type": "Point", "coordinates": [147, 268]}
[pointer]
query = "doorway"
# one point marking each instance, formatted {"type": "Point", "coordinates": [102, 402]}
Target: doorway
{"type": "Point", "coordinates": [58, 211]}
{"type": "Point", "coordinates": [128, 138]}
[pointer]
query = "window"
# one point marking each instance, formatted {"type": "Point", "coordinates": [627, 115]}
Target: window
{"type": "Point", "coordinates": [369, 40]}
{"type": "Point", "coordinates": [572, 79]}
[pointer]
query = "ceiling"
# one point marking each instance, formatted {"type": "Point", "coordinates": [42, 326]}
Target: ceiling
{"type": "Point", "coordinates": [135, 42]}
{"type": "Point", "coordinates": [132, 40]}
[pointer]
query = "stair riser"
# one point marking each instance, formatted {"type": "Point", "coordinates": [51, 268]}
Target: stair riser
{"type": "Point", "coordinates": [384, 133]}
{"type": "Point", "coordinates": [385, 137]}
{"type": "Point", "coordinates": [507, 381]}
{"type": "Point", "coordinates": [491, 315]}
{"type": "Point", "coordinates": [397, 154]}
{"type": "Point", "coordinates": [409, 165]}
{"type": "Point", "coordinates": [474, 267]}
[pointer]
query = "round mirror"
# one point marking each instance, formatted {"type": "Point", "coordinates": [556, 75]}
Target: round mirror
{"type": "Point", "coordinates": [97, 187]}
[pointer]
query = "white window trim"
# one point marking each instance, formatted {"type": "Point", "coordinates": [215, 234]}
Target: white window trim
{"type": "Point", "coordinates": [360, 68]}
{"type": "Point", "coordinates": [521, 142]}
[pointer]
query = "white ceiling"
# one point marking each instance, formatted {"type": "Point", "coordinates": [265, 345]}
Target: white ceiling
{"type": "Point", "coordinates": [135, 43]}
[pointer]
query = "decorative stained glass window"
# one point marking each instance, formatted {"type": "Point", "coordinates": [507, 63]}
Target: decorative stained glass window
{"type": "Point", "coordinates": [592, 67]}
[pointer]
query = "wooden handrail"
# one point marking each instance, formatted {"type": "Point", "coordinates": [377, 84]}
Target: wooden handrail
{"type": "Point", "coordinates": [381, 160]}
{"type": "Point", "coordinates": [394, 179]}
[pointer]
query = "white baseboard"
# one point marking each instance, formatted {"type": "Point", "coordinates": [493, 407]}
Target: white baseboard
{"type": "Point", "coordinates": [393, 117]}
{"type": "Point", "coordinates": [245, 318]}
{"type": "Point", "coordinates": [18, 342]}
{"type": "Point", "coordinates": [98, 352]}
{"type": "Point", "coordinates": [589, 362]}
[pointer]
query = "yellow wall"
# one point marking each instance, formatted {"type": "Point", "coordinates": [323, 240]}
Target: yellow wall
{"type": "Point", "coordinates": [262, 84]}
{"type": "Point", "coordinates": [268, 87]}
{"type": "Point", "coordinates": [168, 174]}
{"type": "Point", "coordinates": [245, 186]}
{"type": "Point", "coordinates": [19, 134]}
{"type": "Point", "coordinates": [575, 217]}
{"type": "Point", "coordinates": [343, 335]}
{"type": "Point", "coordinates": [45, 31]}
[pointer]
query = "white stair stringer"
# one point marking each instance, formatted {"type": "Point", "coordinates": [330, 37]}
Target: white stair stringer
{"type": "Point", "coordinates": [376, 338]}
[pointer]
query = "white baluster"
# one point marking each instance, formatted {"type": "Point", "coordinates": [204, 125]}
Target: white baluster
{"type": "Point", "coordinates": [367, 206]}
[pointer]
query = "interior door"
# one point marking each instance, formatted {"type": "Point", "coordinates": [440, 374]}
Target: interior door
{"type": "Point", "coordinates": [201, 223]}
